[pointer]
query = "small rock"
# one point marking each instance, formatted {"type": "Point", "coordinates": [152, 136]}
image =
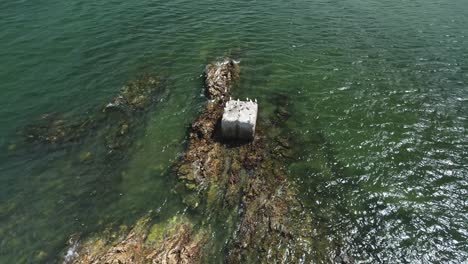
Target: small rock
{"type": "Point", "coordinates": [41, 255]}
{"type": "Point", "coordinates": [85, 156]}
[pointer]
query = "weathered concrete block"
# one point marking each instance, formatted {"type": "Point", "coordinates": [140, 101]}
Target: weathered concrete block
{"type": "Point", "coordinates": [239, 120]}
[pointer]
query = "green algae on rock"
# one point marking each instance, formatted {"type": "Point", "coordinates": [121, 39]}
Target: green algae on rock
{"type": "Point", "coordinates": [173, 241]}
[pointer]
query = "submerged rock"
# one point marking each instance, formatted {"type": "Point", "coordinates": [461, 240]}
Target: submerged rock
{"type": "Point", "coordinates": [114, 123]}
{"type": "Point", "coordinates": [137, 95]}
{"type": "Point", "coordinates": [85, 156]}
{"type": "Point", "coordinates": [40, 256]}
{"type": "Point", "coordinates": [53, 129]}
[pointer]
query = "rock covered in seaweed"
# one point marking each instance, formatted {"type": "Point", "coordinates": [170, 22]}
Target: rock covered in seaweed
{"type": "Point", "coordinates": [137, 95]}
{"type": "Point", "coordinates": [219, 77]}
{"type": "Point", "coordinates": [54, 128]}
{"type": "Point", "coordinates": [247, 177]}
{"type": "Point", "coordinates": [201, 157]}
{"type": "Point", "coordinates": [174, 241]}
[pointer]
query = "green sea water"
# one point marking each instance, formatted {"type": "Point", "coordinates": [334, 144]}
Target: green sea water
{"type": "Point", "coordinates": [378, 92]}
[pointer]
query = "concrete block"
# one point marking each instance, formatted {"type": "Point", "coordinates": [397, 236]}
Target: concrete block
{"type": "Point", "coordinates": [239, 119]}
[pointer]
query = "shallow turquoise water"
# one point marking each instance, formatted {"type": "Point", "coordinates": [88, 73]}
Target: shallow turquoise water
{"type": "Point", "coordinates": [379, 100]}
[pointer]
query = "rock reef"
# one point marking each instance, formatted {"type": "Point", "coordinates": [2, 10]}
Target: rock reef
{"type": "Point", "coordinates": [244, 184]}
{"type": "Point", "coordinates": [248, 176]}
{"type": "Point", "coordinates": [115, 124]}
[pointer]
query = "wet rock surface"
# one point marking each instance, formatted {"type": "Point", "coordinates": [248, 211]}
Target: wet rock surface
{"type": "Point", "coordinates": [173, 241]}
{"type": "Point", "coordinates": [219, 77]}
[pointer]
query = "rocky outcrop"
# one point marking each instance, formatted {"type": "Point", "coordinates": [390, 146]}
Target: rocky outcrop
{"type": "Point", "coordinates": [219, 77]}
{"type": "Point", "coordinates": [171, 242]}
{"type": "Point", "coordinates": [247, 176]}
